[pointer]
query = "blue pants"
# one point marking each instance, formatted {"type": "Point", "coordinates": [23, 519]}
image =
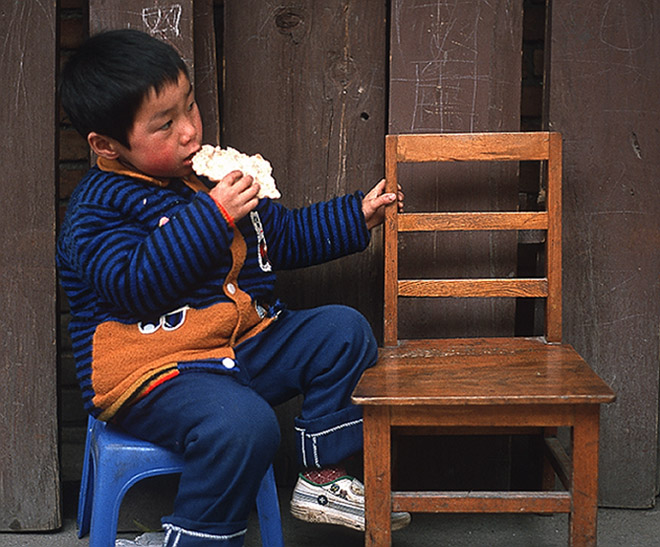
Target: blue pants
{"type": "Point", "coordinates": [228, 432]}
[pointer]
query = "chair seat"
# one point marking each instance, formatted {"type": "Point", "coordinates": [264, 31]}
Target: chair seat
{"type": "Point", "coordinates": [507, 385]}
{"type": "Point", "coordinates": [480, 371]}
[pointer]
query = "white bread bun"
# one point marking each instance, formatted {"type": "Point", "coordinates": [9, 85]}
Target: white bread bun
{"type": "Point", "coordinates": [215, 163]}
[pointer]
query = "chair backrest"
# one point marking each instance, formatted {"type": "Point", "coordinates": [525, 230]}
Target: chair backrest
{"type": "Point", "coordinates": [465, 147]}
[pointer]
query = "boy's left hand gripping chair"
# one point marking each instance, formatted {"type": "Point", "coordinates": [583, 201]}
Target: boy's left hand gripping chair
{"type": "Point", "coordinates": [115, 461]}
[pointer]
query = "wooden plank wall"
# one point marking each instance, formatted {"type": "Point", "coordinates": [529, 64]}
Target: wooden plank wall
{"type": "Point", "coordinates": [29, 467]}
{"type": "Point", "coordinates": [189, 27]}
{"type": "Point", "coordinates": [305, 87]}
{"type": "Point", "coordinates": [603, 97]}
{"type": "Point", "coordinates": [186, 25]}
{"type": "Point", "coordinates": [456, 67]}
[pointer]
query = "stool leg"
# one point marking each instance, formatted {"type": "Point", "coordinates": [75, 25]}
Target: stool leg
{"type": "Point", "coordinates": [584, 484]}
{"type": "Point", "coordinates": [86, 494]}
{"type": "Point", "coordinates": [268, 509]}
{"type": "Point", "coordinates": [108, 493]}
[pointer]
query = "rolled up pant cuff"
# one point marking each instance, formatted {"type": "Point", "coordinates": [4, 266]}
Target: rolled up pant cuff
{"type": "Point", "coordinates": [183, 533]}
{"type": "Point", "coordinates": [330, 439]}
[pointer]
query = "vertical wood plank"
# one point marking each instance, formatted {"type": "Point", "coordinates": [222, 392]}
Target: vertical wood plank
{"type": "Point", "coordinates": [603, 98]}
{"type": "Point", "coordinates": [172, 22]}
{"type": "Point", "coordinates": [305, 87]}
{"type": "Point", "coordinates": [306, 90]}
{"type": "Point", "coordinates": [29, 468]}
{"type": "Point", "coordinates": [455, 67]}
{"type": "Point", "coordinates": [206, 69]}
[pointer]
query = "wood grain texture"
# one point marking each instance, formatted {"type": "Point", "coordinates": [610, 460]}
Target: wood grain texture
{"type": "Point", "coordinates": [455, 67]}
{"type": "Point", "coordinates": [473, 288]}
{"type": "Point", "coordinates": [481, 371]}
{"type": "Point", "coordinates": [172, 22]}
{"type": "Point", "coordinates": [437, 383]}
{"type": "Point", "coordinates": [427, 222]}
{"type": "Point", "coordinates": [603, 97]}
{"type": "Point", "coordinates": [440, 149]}
{"type": "Point", "coordinates": [475, 146]}
{"type": "Point", "coordinates": [29, 467]}
{"type": "Point", "coordinates": [305, 86]}
{"type": "Point", "coordinates": [206, 69]}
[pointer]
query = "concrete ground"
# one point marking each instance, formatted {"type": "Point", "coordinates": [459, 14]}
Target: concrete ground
{"type": "Point", "coordinates": [616, 528]}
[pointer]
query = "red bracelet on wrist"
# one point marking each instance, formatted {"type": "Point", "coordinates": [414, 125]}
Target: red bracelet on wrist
{"type": "Point", "coordinates": [228, 218]}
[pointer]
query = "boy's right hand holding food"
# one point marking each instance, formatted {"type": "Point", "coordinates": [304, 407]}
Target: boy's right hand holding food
{"type": "Point", "coordinates": [235, 195]}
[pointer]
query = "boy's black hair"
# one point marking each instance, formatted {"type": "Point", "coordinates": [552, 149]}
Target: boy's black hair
{"type": "Point", "coordinates": [105, 82]}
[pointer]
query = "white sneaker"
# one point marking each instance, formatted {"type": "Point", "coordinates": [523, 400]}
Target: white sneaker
{"type": "Point", "coordinates": [150, 539]}
{"type": "Point", "coordinates": [337, 502]}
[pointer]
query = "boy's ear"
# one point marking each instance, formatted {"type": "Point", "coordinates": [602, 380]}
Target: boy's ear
{"type": "Point", "coordinates": [103, 146]}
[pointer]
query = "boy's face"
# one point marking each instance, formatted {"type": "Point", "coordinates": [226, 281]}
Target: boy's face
{"type": "Point", "coordinates": [166, 133]}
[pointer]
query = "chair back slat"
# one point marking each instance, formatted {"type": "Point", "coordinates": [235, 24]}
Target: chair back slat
{"type": "Point", "coordinates": [418, 148]}
{"type": "Point", "coordinates": [447, 222]}
{"type": "Point", "coordinates": [473, 288]}
{"type": "Point", "coordinates": [466, 147]}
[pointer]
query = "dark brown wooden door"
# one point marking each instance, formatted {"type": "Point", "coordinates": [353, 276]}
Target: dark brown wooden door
{"type": "Point", "coordinates": [604, 80]}
{"type": "Point", "coordinates": [305, 87]}
{"type": "Point", "coordinates": [29, 468]}
{"type": "Point", "coordinates": [455, 67]}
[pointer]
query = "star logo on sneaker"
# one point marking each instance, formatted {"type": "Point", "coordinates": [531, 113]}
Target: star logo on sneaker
{"type": "Point", "coordinates": [338, 502]}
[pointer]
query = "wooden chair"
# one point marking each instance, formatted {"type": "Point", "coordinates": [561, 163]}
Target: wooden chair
{"type": "Point", "coordinates": [481, 384]}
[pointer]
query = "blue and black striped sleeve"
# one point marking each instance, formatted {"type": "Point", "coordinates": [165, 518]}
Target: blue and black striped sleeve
{"type": "Point", "coordinates": [315, 234]}
{"type": "Point", "coordinates": [144, 269]}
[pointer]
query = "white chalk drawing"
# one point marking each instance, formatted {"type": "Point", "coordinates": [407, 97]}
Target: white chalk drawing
{"type": "Point", "coordinates": [626, 26]}
{"type": "Point", "coordinates": [447, 72]}
{"type": "Point", "coordinates": [447, 76]}
{"type": "Point", "coordinates": [163, 21]}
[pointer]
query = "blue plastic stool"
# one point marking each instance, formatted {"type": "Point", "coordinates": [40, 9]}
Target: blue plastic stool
{"type": "Point", "coordinates": [115, 461]}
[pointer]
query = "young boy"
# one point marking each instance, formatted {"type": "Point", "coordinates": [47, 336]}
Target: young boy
{"type": "Point", "coordinates": [176, 334]}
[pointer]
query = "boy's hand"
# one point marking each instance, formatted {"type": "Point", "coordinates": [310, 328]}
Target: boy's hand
{"type": "Point", "coordinates": [373, 204]}
{"type": "Point", "coordinates": [237, 194]}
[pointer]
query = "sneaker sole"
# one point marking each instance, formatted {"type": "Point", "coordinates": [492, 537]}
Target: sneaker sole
{"type": "Point", "coordinates": [328, 516]}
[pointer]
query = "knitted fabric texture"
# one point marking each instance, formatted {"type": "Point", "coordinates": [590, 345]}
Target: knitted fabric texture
{"type": "Point", "coordinates": [136, 252]}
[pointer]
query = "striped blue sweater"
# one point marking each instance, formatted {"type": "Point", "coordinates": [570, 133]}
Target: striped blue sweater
{"type": "Point", "coordinates": [130, 252]}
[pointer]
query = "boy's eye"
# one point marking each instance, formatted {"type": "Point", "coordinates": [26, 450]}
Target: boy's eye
{"type": "Point", "coordinates": [191, 105]}
{"type": "Point", "coordinates": [166, 125]}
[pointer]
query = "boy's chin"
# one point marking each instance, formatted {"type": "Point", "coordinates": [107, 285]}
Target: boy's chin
{"type": "Point", "coordinates": [184, 171]}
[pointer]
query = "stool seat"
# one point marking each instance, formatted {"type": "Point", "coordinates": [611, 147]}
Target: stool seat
{"type": "Point", "coordinates": [115, 461]}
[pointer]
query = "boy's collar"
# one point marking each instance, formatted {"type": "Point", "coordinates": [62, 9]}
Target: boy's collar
{"type": "Point", "coordinates": [115, 166]}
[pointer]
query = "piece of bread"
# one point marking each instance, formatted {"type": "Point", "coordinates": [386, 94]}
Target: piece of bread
{"type": "Point", "coordinates": [215, 163]}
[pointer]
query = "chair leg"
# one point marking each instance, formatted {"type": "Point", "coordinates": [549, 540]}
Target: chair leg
{"type": "Point", "coordinates": [584, 484]}
{"type": "Point", "coordinates": [548, 476]}
{"type": "Point", "coordinates": [268, 509]}
{"type": "Point", "coordinates": [86, 493]}
{"type": "Point", "coordinates": [377, 477]}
